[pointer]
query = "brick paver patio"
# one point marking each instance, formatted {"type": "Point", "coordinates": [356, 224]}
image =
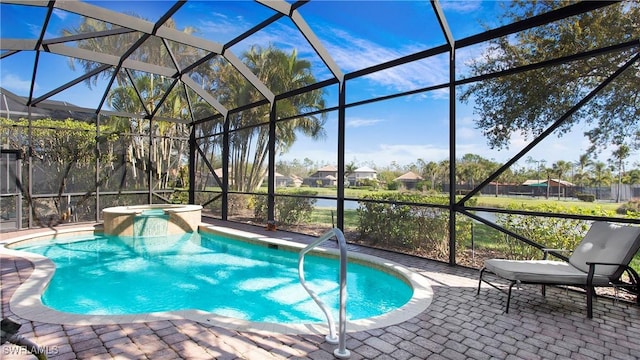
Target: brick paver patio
{"type": "Point", "coordinates": [457, 325]}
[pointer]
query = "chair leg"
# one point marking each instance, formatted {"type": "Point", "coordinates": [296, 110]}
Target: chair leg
{"type": "Point", "coordinates": [509, 296]}
{"type": "Point", "coordinates": [480, 281]}
{"type": "Point", "coordinates": [590, 294]}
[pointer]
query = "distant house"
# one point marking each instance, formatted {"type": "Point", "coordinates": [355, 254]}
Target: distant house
{"type": "Point", "coordinates": [282, 180]}
{"type": "Point", "coordinates": [329, 180]}
{"type": "Point", "coordinates": [326, 170]}
{"type": "Point", "coordinates": [409, 180]}
{"type": "Point", "coordinates": [325, 176]}
{"type": "Point", "coordinates": [555, 186]}
{"type": "Point", "coordinates": [296, 181]}
{"type": "Point", "coordinates": [14, 106]}
{"type": "Point", "coordinates": [205, 178]}
{"type": "Point", "coordinates": [362, 173]}
{"type": "Point", "coordinates": [287, 181]}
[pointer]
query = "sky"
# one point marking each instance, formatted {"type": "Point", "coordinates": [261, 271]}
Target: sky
{"type": "Point", "coordinates": [357, 34]}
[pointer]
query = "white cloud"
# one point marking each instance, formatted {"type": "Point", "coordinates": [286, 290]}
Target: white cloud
{"type": "Point", "coordinates": [60, 14]}
{"type": "Point", "coordinates": [34, 30]}
{"type": "Point", "coordinates": [467, 133]}
{"type": "Point", "coordinates": [349, 52]}
{"type": "Point", "coordinates": [14, 83]}
{"type": "Point", "coordinates": [460, 6]}
{"type": "Point", "coordinates": [220, 24]}
{"type": "Point", "coordinates": [359, 122]}
{"type": "Point", "coordinates": [353, 53]}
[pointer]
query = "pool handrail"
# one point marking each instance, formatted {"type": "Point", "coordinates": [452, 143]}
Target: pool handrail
{"type": "Point", "coordinates": [341, 352]}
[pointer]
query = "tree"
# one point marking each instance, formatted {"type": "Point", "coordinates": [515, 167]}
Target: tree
{"type": "Point", "coordinates": [349, 169]}
{"type": "Point", "coordinates": [601, 175]}
{"type": "Point", "coordinates": [631, 177]}
{"type": "Point", "coordinates": [280, 72]}
{"type": "Point", "coordinates": [584, 162]}
{"type": "Point", "coordinates": [429, 171]}
{"type": "Point", "coordinates": [143, 95]}
{"type": "Point", "coordinates": [618, 157]}
{"type": "Point", "coordinates": [560, 167]}
{"type": "Point", "coordinates": [164, 154]}
{"type": "Point", "coordinates": [528, 102]}
{"type": "Point", "coordinates": [62, 150]}
{"type": "Point", "coordinates": [151, 51]}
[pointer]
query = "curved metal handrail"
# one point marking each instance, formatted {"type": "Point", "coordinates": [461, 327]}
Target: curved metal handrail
{"type": "Point", "coordinates": [341, 352]}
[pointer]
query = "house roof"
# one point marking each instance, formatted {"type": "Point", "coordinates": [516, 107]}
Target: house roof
{"type": "Point", "coordinates": [543, 182]}
{"type": "Point", "coordinates": [15, 106]}
{"type": "Point", "coordinates": [534, 182]}
{"type": "Point", "coordinates": [328, 168]}
{"type": "Point", "coordinates": [365, 169]}
{"type": "Point", "coordinates": [409, 176]}
{"type": "Point", "coordinates": [563, 182]}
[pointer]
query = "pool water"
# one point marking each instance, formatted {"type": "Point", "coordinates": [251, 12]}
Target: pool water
{"type": "Point", "coordinates": [119, 275]}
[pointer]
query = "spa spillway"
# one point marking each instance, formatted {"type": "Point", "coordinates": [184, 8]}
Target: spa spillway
{"type": "Point", "coordinates": [151, 220]}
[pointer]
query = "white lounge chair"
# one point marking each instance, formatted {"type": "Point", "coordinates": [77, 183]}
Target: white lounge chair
{"type": "Point", "coordinates": [600, 260]}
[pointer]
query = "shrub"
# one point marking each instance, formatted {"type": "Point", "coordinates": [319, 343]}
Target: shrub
{"type": "Point", "coordinates": [407, 222]}
{"type": "Point", "coordinates": [586, 197]}
{"type": "Point", "coordinates": [631, 208]}
{"type": "Point", "coordinates": [180, 197]}
{"type": "Point", "coordinates": [393, 185]}
{"type": "Point", "coordinates": [290, 210]}
{"type": "Point", "coordinates": [550, 232]}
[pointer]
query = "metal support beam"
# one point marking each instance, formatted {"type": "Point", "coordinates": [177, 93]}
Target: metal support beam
{"type": "Point", "coordinates": [342, 99]}
{"type": "Point", "coordinates": [271, 185]}
{"type": "Point", "coordinates": [452, 128]}
{"type": "Point", "coordinates": [249, 75]}
{"type": "Point", "coordinates": [192, 165]}
{"type": "Point", "coordinates": [97, 152]}
{"type": "Point", "coordinates": [205, 95]}
{"type": "Point", "coordinates": [225, 167]}
{"type": "Point", "coordinates": [316, 44]}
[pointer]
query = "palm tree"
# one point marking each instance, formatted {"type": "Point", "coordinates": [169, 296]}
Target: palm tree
{"type": "Point", "coordinates": [429, 171]}
{"type": "Point", "coordinates": [151, 88]}
{"type": "Point", "coordinates": [280, 72]}
{"type": "Point", "coordinates": [470, 168]}
{"type": "Point", "coordinates": [619, 155]}
{"type": "Point", "coordinates": [349, 169]}
{"type": "Point", "coordinates": [601, 175]}
{"type": "Point", "coordinates": [443, 172]}
{"type": "Point", "coordinates": [584, 162]}
{"type": "Point", "coordinates": [151, 51]}
{"type": "Point", "coordinates": [561, 167]}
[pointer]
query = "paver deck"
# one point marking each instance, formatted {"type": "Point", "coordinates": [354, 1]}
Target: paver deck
{"type": "Point", "coordinates": [458, 324]}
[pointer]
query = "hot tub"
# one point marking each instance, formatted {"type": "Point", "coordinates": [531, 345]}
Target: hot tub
{"type": "Point", "coordinates": [151, 220]}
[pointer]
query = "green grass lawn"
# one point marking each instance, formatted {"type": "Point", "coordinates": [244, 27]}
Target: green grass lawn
{"type": "Point", "coordinates": [328, 216]}
{"type": "Point", "coordinates": [487, 201]}
{"type": "Point", "coordinates": [503, 202]}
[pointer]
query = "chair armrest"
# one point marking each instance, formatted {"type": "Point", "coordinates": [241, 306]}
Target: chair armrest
{"type": "Point", "coordinates": [603, 263]}
{"type": "Point", "coordinates": [548, 250]}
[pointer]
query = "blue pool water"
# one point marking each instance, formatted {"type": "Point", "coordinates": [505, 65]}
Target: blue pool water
{"type": "Point", "coordinates": [117, 275]}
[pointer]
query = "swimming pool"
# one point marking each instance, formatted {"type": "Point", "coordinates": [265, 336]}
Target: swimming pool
{"type": "Point", "coordinates": [216, 277]}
